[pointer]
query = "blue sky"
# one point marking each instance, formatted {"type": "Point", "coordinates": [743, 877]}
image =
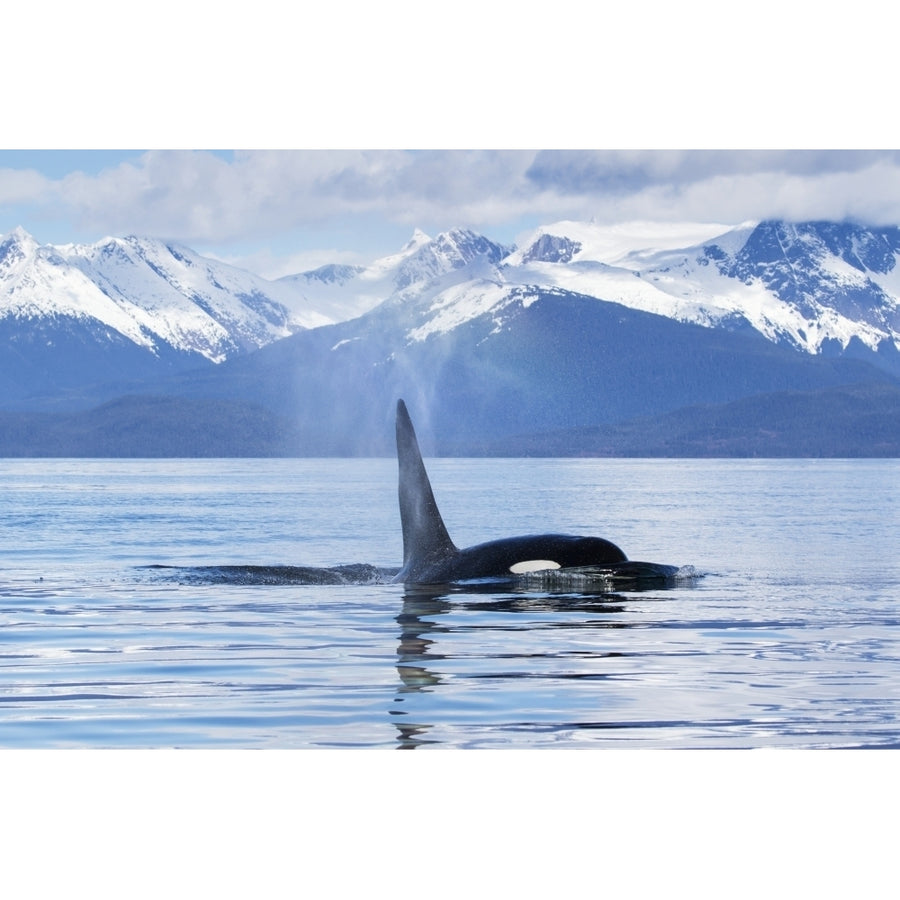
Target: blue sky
{"type": "Point", "coordinates": [360, 76]}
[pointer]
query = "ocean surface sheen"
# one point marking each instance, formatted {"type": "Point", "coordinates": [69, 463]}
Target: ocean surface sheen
{"type": "Point", "coordinates": [247, 603]}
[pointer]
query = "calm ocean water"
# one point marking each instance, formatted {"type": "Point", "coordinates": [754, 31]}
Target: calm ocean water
{"type": "Point", "coordinates": [119, 626]}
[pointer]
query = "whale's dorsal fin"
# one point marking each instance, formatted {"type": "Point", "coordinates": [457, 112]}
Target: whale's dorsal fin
{"type": "Point", "coordinates": [425, 536]}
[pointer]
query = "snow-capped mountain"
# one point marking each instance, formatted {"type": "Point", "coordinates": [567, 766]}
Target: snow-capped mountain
{"type": "Point", "coordinates": [814, 286]}
{"type": "Point", "coordinates": [817, 286]}
{"type": "Point", "coordinates": [808, 284]}
{"type": "Point", "coordinates": [158, 296]}
{"type": "Point", "coordinates": [424, 266]}
{"type": "Point", "coordinates": [580, 325]}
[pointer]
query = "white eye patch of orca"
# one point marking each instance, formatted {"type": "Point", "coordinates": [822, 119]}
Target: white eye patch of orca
{"type": "Point", "coordinates": [533, 565]}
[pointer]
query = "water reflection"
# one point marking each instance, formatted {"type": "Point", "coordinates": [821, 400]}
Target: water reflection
{"type": "Point", "coordinates": [414, 652]}
{"type": "Point", "coordinates": [419, 651]}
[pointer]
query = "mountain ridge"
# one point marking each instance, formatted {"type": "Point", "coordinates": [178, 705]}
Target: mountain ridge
{"type": "Point", "coordinates": [808, 284]}
{"type": "Point", "coordinates": [580, 326]}
{"type": "Point", "coordinates": [847, 421]}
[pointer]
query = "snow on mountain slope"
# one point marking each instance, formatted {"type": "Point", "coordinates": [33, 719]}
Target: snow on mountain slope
{"type": "Point", "coordinates": [459, 303]}
{"type": "Point", "coordinates": [829, 274]}
{"type": "Point", "coordinates": [345, 292]}
{"type": "Point", "coordinates": [611, 244]}
{"type": "Point", "coordinates": [150, 292]}
{"type": "Point", "coordinates": [36, 283]}
{"type": "Point", "coordinates": [805, 284]}
{"type": "Point", "coordinates": [598, 261]}
{"type": "Point", "coordinates": [178, 294]}
{"type": "Point", "coordinates": [424, 266]}
{"type": "Point", "coordinates": [676, 283]}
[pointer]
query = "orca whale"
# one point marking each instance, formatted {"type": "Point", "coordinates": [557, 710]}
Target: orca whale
{"type": "Point", "coordinates": [431, 557]}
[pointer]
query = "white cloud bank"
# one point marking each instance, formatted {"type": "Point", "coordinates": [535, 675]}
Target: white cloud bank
{"type": "Point", "coordinates": [227, 202]}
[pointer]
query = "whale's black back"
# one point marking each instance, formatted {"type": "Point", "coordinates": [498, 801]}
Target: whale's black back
{"type": "Point", "coordinates": [429, 556]}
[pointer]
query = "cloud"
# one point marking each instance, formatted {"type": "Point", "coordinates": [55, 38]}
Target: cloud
{"type": "Point", "coordinates": [197, 195]}
{"type": "Point", "coordinates": [202, 196]}
{"type": "Point", "coordinates": [623, 172]}
{"type": "Point", "coordinates": [724, 185]}
{"type": "Point", "coordinates": [219, 199]}
{"type": "Point", "coordinates": [23, 186]}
